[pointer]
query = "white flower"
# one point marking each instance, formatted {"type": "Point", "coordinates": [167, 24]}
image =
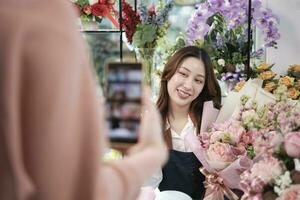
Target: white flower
{"type": "Point", "coordinates": [282, 182]}
{"type": "Point", "coordinates": [221, 62]}
{"type": "Point", "coordinates": [73, 1]}
{"type": "Point", "coordinates": [248, 117]}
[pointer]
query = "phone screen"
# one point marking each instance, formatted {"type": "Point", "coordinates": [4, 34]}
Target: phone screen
{"type": "Point", "coordinates": [123, 97]}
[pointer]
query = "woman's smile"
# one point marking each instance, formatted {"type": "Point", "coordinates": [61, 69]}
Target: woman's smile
{"type": "Point", "coordinates": [183, 94]}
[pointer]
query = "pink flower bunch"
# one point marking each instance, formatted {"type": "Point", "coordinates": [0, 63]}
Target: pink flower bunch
{"type": "Point", "coordinates": [276, 145]}
{"type": "Point", "coordinates": [262, 173]}
{"type": "Point", "coordinates": [230, 131]}
{"type": "Point", "coordinates": [223, 154]}
{"type": "Point", "coordinates": [267, 169]}
{"type": "Point", "coordinates": [269, 123]}
{"type": "Point", "coordinates": [225, 143]}
{"type": "Point", "coordinates": [291, 193]}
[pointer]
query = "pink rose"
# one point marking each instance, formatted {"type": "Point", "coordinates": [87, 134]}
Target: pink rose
{"type": "Point", "coordinates": [216, 136]}
{"type": "Point", "coordinates": [228, 132]}
{"type": "Point", "coordinates": [274, 139]}
{"type": "Point", "coordinates": [267, 169]}
{"type": "Point", "coordinates": [292, 144]}
{"type": "Point", "coordinates": [220, 155]}
{"type": "Point", "coordinates": [291, 193]}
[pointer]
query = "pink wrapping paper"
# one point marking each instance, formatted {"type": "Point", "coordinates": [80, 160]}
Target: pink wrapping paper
{"type": "Point", "coordinates": [231, 174]}
{"type": "Point", "coordinates": [209, 114]}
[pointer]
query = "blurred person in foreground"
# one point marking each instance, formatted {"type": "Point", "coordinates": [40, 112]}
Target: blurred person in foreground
{"type": "Point", "coordinates": [51, 125]}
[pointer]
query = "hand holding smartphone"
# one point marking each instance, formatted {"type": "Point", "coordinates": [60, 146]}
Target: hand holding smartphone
{"type": "Point", "coordinates": [123, 92]}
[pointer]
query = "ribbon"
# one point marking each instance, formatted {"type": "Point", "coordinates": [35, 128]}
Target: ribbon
{"type": "Point", "coordinates": [215, 187]}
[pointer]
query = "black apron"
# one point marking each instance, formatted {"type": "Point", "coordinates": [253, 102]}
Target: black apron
{"type": "Point", "coordinates": [181, 173]}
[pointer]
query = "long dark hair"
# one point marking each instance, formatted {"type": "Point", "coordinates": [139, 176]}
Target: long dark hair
{"type": "Point", "coordinates": [211, 89]}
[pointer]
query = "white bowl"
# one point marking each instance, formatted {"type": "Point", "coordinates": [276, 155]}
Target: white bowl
{"type": "Point", "coordinates": [172, 195]}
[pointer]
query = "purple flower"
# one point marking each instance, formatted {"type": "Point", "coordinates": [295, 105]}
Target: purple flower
{"type": "Point", "coordinates": [196, 29]}
{"type": "Point", "coordinates": [227, 32]}
{"type": "Point", "coordinates": [258, 53]}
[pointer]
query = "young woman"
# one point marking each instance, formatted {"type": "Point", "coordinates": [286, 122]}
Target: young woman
{"type": "Point", "coordinates": [187, 82]}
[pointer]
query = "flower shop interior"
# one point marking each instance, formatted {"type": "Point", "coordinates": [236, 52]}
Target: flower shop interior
{"type": "Point", "coordinates": [219, 118]}
{"type": "Point", "coordinates": [254, 48]}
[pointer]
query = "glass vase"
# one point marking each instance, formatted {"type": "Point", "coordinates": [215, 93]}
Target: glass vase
{"type": "Point", "coordinates": [145, 56]}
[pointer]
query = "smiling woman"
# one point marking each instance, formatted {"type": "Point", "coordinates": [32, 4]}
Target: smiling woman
{"type": "Point", "coordinates": [187, 82]}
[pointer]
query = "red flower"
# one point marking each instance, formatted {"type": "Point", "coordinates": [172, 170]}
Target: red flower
{"type": "Point", "coordinates": [130, 20]}
{"type": "Point", "coordinates": [99, 9]}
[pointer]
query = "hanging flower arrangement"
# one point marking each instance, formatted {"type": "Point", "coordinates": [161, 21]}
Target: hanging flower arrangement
{"type": "Point", "coordinates": [221, 27]}
{"type": "Point", "coordinates": [96, 10]}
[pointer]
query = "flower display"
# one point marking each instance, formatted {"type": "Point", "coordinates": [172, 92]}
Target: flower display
{"type": "Point", "coordinates": [221, 27]}
{"type": "Point", "coordinates": [143, 29]}
{"type": "Point", "coordinates": [271, 81]}
{"type": "Point", "coordinates": [265, 137]}
{"type": "Point", "coordinates": [96, 10]}
{"type": "Point", "coordinates": [275, 128]}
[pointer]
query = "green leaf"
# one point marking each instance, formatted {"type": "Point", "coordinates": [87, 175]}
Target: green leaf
{"type": "Point", "coordinates": [250, 151]}
{"type": "Point", "coordinates": [82, 3]}
{"type": "Point", "coordinates": [144, 34]}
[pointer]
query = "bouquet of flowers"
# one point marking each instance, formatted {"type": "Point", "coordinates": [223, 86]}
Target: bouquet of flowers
{"type": "Point", "coordinates": [276, 172]}
{"type": "Point", "coordinates": [221, 26]}
{"type": "Point", "coordinates": [144, 29]}
{"type": "Point", "coordinates": [225, 152]}
{"type": "Point", "coordinates": [96, 10]}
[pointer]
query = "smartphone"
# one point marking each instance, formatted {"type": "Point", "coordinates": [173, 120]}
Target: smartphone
{"type": "Point", "coordinates": [123, 101]}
